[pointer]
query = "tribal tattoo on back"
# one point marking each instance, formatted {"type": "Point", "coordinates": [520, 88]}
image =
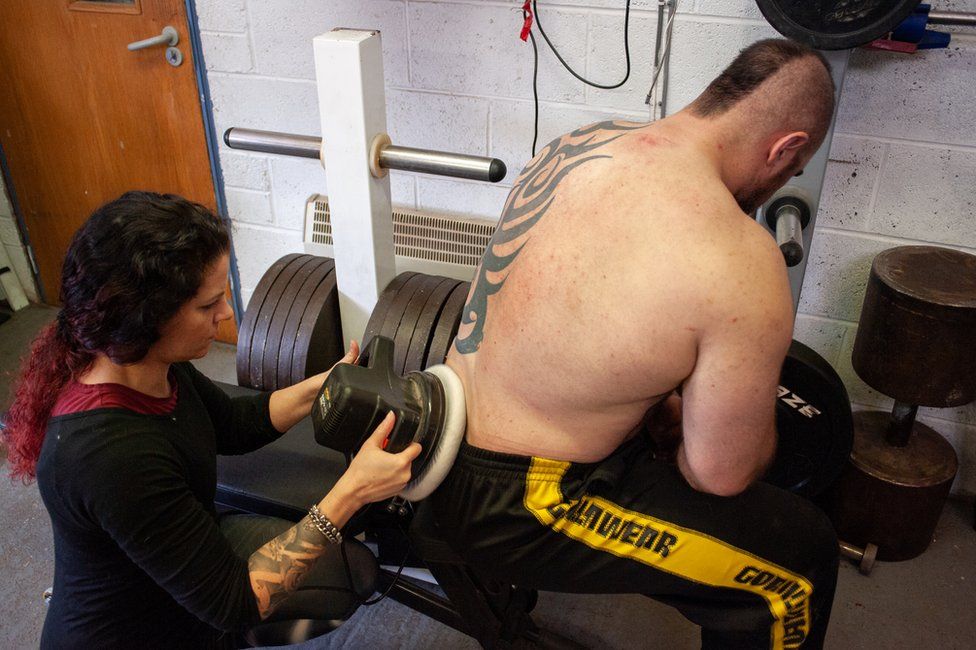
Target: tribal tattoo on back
{"type": "Point", "coordinates": [530, 199]}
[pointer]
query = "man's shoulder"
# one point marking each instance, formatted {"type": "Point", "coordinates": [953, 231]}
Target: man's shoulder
{"type": "Point", "coordinates": [743, 275]}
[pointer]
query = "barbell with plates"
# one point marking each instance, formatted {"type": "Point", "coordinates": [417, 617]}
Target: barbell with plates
{"type": "Point", "coordinates": [421, 314]}
{"type": "Point", "coordinates": [835, 24]}
{"type": "Point", "coordinates": [814, 423]}
{"type": "Point", "coordinates": [291, 330]}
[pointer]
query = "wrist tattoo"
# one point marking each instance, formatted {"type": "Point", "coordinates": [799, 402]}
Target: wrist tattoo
{"type": "Point", "coordinates": [279, 567]}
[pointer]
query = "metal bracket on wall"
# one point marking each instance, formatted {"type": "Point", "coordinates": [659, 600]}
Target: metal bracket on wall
{"type": "Point", "coordinates": [662, 59]}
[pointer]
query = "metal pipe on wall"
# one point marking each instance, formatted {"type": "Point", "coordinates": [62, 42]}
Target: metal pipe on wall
{"type": "Point", "coordinates": [440, 163]}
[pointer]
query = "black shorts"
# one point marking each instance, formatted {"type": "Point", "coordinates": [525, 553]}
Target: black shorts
{"type": "Point", "coordinates": [756, 570]}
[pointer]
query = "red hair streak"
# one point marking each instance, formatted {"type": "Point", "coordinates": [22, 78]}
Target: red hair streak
{"type": "Point", "coordinates": [49, 366]}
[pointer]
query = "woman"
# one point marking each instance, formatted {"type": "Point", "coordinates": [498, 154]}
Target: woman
{"type": "Point", "coordinates": [122, 434]}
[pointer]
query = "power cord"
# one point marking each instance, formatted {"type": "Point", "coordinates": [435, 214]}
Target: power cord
{"type": "Point", "coordinates": [396, 577]}
{"type": "Point", "coordinates": [535, 63]}
{"type": "Point", "coordinates": [552, 47]}
{"type": "Point", "coordinates": [535, 84]}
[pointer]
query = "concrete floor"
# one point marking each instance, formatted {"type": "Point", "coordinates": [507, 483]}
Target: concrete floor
{"type": "Point", "coordinates": [925, 603]}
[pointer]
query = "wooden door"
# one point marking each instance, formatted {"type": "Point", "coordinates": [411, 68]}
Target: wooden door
{"type": "Point", "coordinates": [83, 119]}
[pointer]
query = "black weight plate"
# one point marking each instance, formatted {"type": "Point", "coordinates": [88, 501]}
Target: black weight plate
{"type": "Point", "coordinates": [395, 313]}
{"type": "Point", "coordinates": [254, 305]}
{"type": "Point", "coordinates": [424, 332]}
{"type": "Point", "coordinates": [447, 325]}
{"type": "Point", "coordinates": [259, 337]}
{"type": "Point", "coordinates": [318, 345]}
{"type": "Point", "coordinates": [389, 294]}
{"type": "Point", "coordinates": [408, 322]}
{"type": "Point", "coordinates": [272, 346]}
{"type": "Point", "coordinates": [835, 24]}
{"type": "Point", "coordinates": [294, 319]}
{"type": "Point", "coordinates": [814, 422]}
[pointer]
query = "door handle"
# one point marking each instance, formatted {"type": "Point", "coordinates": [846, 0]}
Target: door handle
{"type": "Point", "coordinates": [169, 38]}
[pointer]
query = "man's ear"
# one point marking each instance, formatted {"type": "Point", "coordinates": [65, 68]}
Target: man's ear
{"type": "Point", "coordinates": [787, 144]}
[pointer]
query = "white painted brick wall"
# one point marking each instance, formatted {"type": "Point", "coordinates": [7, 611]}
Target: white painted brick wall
{"type": "Point", "coordinates": [902, 166]}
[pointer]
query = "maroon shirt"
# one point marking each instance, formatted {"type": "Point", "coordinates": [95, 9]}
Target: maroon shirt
{"type": "Point", "coordinates": [77, 397]}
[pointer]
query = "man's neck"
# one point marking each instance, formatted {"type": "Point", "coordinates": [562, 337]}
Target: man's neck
{"type": "Point", "coordinates": [149, 376]}
{"type": "Point", "coordinates": [721, 146]}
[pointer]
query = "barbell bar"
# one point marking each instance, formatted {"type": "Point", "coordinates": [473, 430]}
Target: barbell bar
{"type": "Point", "coordinates": [387, 155]}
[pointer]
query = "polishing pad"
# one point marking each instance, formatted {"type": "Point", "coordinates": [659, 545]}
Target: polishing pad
{"type": "Point", "coordinates": [448, 440]}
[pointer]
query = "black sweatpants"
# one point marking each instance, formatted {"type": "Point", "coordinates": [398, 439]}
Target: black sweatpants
{"type": "Point", "coordinates": [757, 570]}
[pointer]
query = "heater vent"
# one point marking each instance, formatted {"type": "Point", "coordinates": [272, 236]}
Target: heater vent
{"type": "Point", "coordinates": [416, 235]}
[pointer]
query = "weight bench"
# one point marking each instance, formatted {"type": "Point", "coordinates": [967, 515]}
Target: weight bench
{"type": "Point", "coordinates": [494, 614]}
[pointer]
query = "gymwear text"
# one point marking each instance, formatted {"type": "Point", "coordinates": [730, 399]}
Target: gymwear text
{"type": "Point", "coordinates": [588, 515]}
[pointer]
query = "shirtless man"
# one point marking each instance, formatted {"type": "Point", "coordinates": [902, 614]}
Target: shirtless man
{"type": "Point", "coordinates": [626, 268]}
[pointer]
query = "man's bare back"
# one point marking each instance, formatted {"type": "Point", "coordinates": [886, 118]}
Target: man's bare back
{"type": "Point", "coordinates": [625, 266]}
{"type": "Point", "coordinates": [618, 255]}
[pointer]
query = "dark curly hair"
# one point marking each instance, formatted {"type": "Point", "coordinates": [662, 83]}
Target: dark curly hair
{"type": "Point", "coordinates": [128, 270]}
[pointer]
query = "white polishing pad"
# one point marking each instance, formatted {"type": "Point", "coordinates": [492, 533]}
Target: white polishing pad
{"type": "Point", "coordinates": [455, 420]}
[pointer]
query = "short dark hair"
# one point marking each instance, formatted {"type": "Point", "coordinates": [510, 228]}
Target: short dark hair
{"type": "Point", "coordinates": [753, 66]}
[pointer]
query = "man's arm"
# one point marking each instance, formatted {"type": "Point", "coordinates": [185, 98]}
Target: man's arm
{"type": "Point", "coordinates": [728, 405]}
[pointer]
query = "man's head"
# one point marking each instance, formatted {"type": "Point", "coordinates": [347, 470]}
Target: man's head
{"type": "Point", "coordinates": [776, 99]}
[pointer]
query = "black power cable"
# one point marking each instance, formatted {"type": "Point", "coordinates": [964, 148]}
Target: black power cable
{"type": "Point", "coordinates": [535, 64]}
{"type": "Point", "coordinates": [535, 10]}
{"type": "Point", "coordinates": [535, 86]}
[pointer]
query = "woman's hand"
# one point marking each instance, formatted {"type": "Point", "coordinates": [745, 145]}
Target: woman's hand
{"type": "Point", "coordinates": [373, 475]}
{"type": "Point", "coordinates": [289, 405]}
{"type": "Point", "coordinates": [351, 356]}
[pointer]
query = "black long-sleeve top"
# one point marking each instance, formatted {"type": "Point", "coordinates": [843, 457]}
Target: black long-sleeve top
{"type": "Point", "coordinates": [139, 558]}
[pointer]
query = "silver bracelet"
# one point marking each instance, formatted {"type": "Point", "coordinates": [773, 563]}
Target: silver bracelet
{"type": "Point", "coordinates": [323, 525]}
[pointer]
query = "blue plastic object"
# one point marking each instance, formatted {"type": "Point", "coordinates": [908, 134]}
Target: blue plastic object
{"type": "Point", "coordinates": [913, 30]}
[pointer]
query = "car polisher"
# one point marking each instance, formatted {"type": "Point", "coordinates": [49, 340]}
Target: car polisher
{"type": "Point", "coordinates": [429, 408]}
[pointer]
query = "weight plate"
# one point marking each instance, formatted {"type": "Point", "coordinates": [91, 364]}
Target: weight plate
{"type": "Point", "coordinates": [254, 305]}
{"type": "Point", "coordinates": [835, 24]}
{"type": "Point", "coordinates": [447, 325]}
{"type": "Point", "coordinates": [259, 337]}
{"type": "Point", "coordinates": [290, 331]}
{"type": "Point", "coordinates": [411, 315]}
{"type": "Point", "coordinates": [272, 346]}
{"type": "Point", "coordinates": [318, 344]}
{"type": "Point", "coordinates": [386, 298]}
{"type": "Point", "coordinates": [814, 423]}
{"type": "Point", "coordinates": [424, 332]}
{"type": "Point", "coordinates": [395, 313]}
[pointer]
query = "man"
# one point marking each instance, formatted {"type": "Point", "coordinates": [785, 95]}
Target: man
{"type": "Point", "coordinates": [626, 268]}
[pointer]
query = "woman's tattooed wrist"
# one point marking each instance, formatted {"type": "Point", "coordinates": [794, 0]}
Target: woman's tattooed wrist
{"type": "Point", "coordinates": [279, 567]}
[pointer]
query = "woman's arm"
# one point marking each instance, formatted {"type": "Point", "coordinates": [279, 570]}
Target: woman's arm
{"type": "Point", "coordinates": [279, 567]}
{"type": "Point", "coordinates": [289, 405]}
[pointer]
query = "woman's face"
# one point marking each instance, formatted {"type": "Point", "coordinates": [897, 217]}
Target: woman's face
{"type": "Point", "coordinates": [189, 333]}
